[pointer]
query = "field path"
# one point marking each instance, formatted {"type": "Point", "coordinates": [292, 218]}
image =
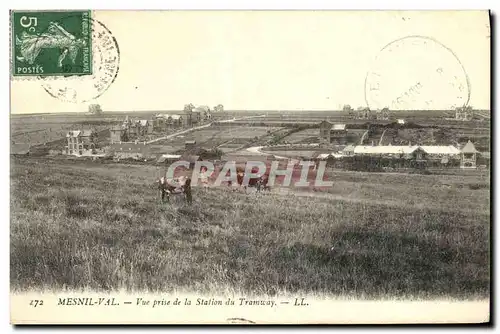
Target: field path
{"type": "Point", "coordinates": [257, 149]}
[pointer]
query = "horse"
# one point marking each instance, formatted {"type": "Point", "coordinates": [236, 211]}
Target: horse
{"type": "Point", "coordinates": [259, 182]}
{"type": "Point", "coordinates": [178, 186]}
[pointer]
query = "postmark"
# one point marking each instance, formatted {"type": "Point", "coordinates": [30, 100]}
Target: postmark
{"type": "Point", "coordinates": [417, 73]}
{"type": "Point", "coordinates": [105, 56]}
{"type": "Point", "coordinates": [51, 43]}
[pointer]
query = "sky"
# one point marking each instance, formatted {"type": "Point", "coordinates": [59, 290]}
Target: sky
{"type": "Point", "coordinates": [276, 60]}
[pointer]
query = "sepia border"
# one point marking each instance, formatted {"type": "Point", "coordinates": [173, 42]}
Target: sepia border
{"type": "Point", "coordinates": [408, 311]}
{"type": "Point", "coordinates": [112, 308]}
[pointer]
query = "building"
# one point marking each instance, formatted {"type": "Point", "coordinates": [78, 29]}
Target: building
{"type": "Point", "coordinates": [419, 152]}
{"type": "Point", "coordinates": [196, 116]}
{"type": "Point", "coordinates": [144, 127]}
{"type": "Point", "coordinates": [203, 113]}
{"type": "Point", "coordinates": [338, 134]}
{"type": "Point", "coordinates": [401, 121]}
{"type": "Point", "coordinates": [324, 133]}
{"type": "Point", "coordinates": [117, 134]}
{"type": "Point", "coordinates": [332, 134]}
{"type": "Point", "coordinates": [468, 156]}
{"type": "Point", "coordinates": [389, 150]}
{"type": "Point", "coordinates": [162, 122]}
{"type": "Point", "coordinates": [440, 152]}
{"type": "Point", "coordinates": [81, 142]}
{"type": "Point", "coordinates": [177, 120]}
{"type": "Point", "coordinates": [363, 113]}
{"type": "Point", "coordinates": [382, 114]}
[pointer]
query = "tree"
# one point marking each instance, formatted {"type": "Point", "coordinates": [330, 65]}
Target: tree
{"type": "Point", "coordinates": [347, 108]}
{"type": "Point", "coordinates": [95, 109]}
{"type": "Point", "coordinates": [188, 107]}
{"type": "Point", "coordinates": [219, 108]}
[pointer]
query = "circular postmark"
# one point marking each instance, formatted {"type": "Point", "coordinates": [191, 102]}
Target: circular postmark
{"type": "Point", "coordinates": [105, 58]}
{"type": "Point", "coordinates": [416, 73]}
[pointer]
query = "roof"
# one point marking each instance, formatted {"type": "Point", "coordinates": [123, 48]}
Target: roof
{"type": "Point", "coordinates": [338, 127]}
{"type": "Point", "coordinates": [176, 117]}
{"type": "Point", "coordinates": [87, 133]}
{"type": "Point", "coordinates": [73, 133]}
{"type": "Point", "coordinates": [450, 149]}
{"type": "Point", "coordinates": [401, 121]}
{"type": "Point", "coordinates": [323, 155]}
{"type": "Point", "coordinates": [384, 149]}
{"type": "Point", "coordinates": [390, 149]}
{"type": "Point", "coordinates": [191, 142]}
{"type": "Point", "coordinates": [78, 133]}
{"type": "Point", "coordinates": [143, 122]}
{"type": "Point", "coordinates": [469, 148]}
{"type": "Point", "coordinates": [326, 124]}
{"type": "Point", "coordinates": [162, 116]}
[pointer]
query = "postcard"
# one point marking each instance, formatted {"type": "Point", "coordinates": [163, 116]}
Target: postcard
{"type": "Point", "coordinates": [250, 167]}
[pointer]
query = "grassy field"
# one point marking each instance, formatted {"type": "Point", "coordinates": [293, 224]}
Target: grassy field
{"type": "Point", "coordinates": [38, 130]}
{"type": "Point", "coordinates": [100, 226]}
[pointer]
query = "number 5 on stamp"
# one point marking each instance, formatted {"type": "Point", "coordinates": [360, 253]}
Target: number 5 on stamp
{"type": "Point", "coordinates": [51, 43]}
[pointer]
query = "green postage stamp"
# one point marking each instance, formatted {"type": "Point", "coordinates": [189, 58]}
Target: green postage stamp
{"type": "Point", "coordinates": [51, 43]}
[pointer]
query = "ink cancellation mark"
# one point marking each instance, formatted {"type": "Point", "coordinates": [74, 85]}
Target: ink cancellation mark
{"type": "Point", "coordinates": [419, 73]}
{"type": "Point", "coordinates": [105, 62]}
{"type": "Point", "coordinates": [51, 43]}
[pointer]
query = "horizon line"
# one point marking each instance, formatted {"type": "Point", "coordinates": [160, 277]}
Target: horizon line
{"type": "Point", "coordinates": [236, 110]}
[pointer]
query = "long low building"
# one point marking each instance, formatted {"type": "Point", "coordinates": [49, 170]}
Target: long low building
{"type": "Point", "coordinates": [394, 150]}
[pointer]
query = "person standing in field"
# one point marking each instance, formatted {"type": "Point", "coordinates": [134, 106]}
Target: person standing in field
{"type": "Point", "coordinates": [162, 187]}
{"type": "Point", "coordinates": [204, 176]}
{"type": "Point", "coordinates": [187, 190]}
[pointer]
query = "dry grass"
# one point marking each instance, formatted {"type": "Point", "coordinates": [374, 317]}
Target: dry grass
{"type": "Point", "coordinates": [101, 227]}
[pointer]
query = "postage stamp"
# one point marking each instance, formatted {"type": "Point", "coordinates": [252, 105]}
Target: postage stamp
{"type": "Point", "coordinates": [105, 62]}
{"type": "Point", "coordinates": [51, 43]}
{"type": "Point", "coordinates": [416, 72]}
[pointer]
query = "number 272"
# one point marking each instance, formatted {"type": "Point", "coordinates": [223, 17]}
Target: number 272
{"type": "Point", "coordinates": [36, 303]}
